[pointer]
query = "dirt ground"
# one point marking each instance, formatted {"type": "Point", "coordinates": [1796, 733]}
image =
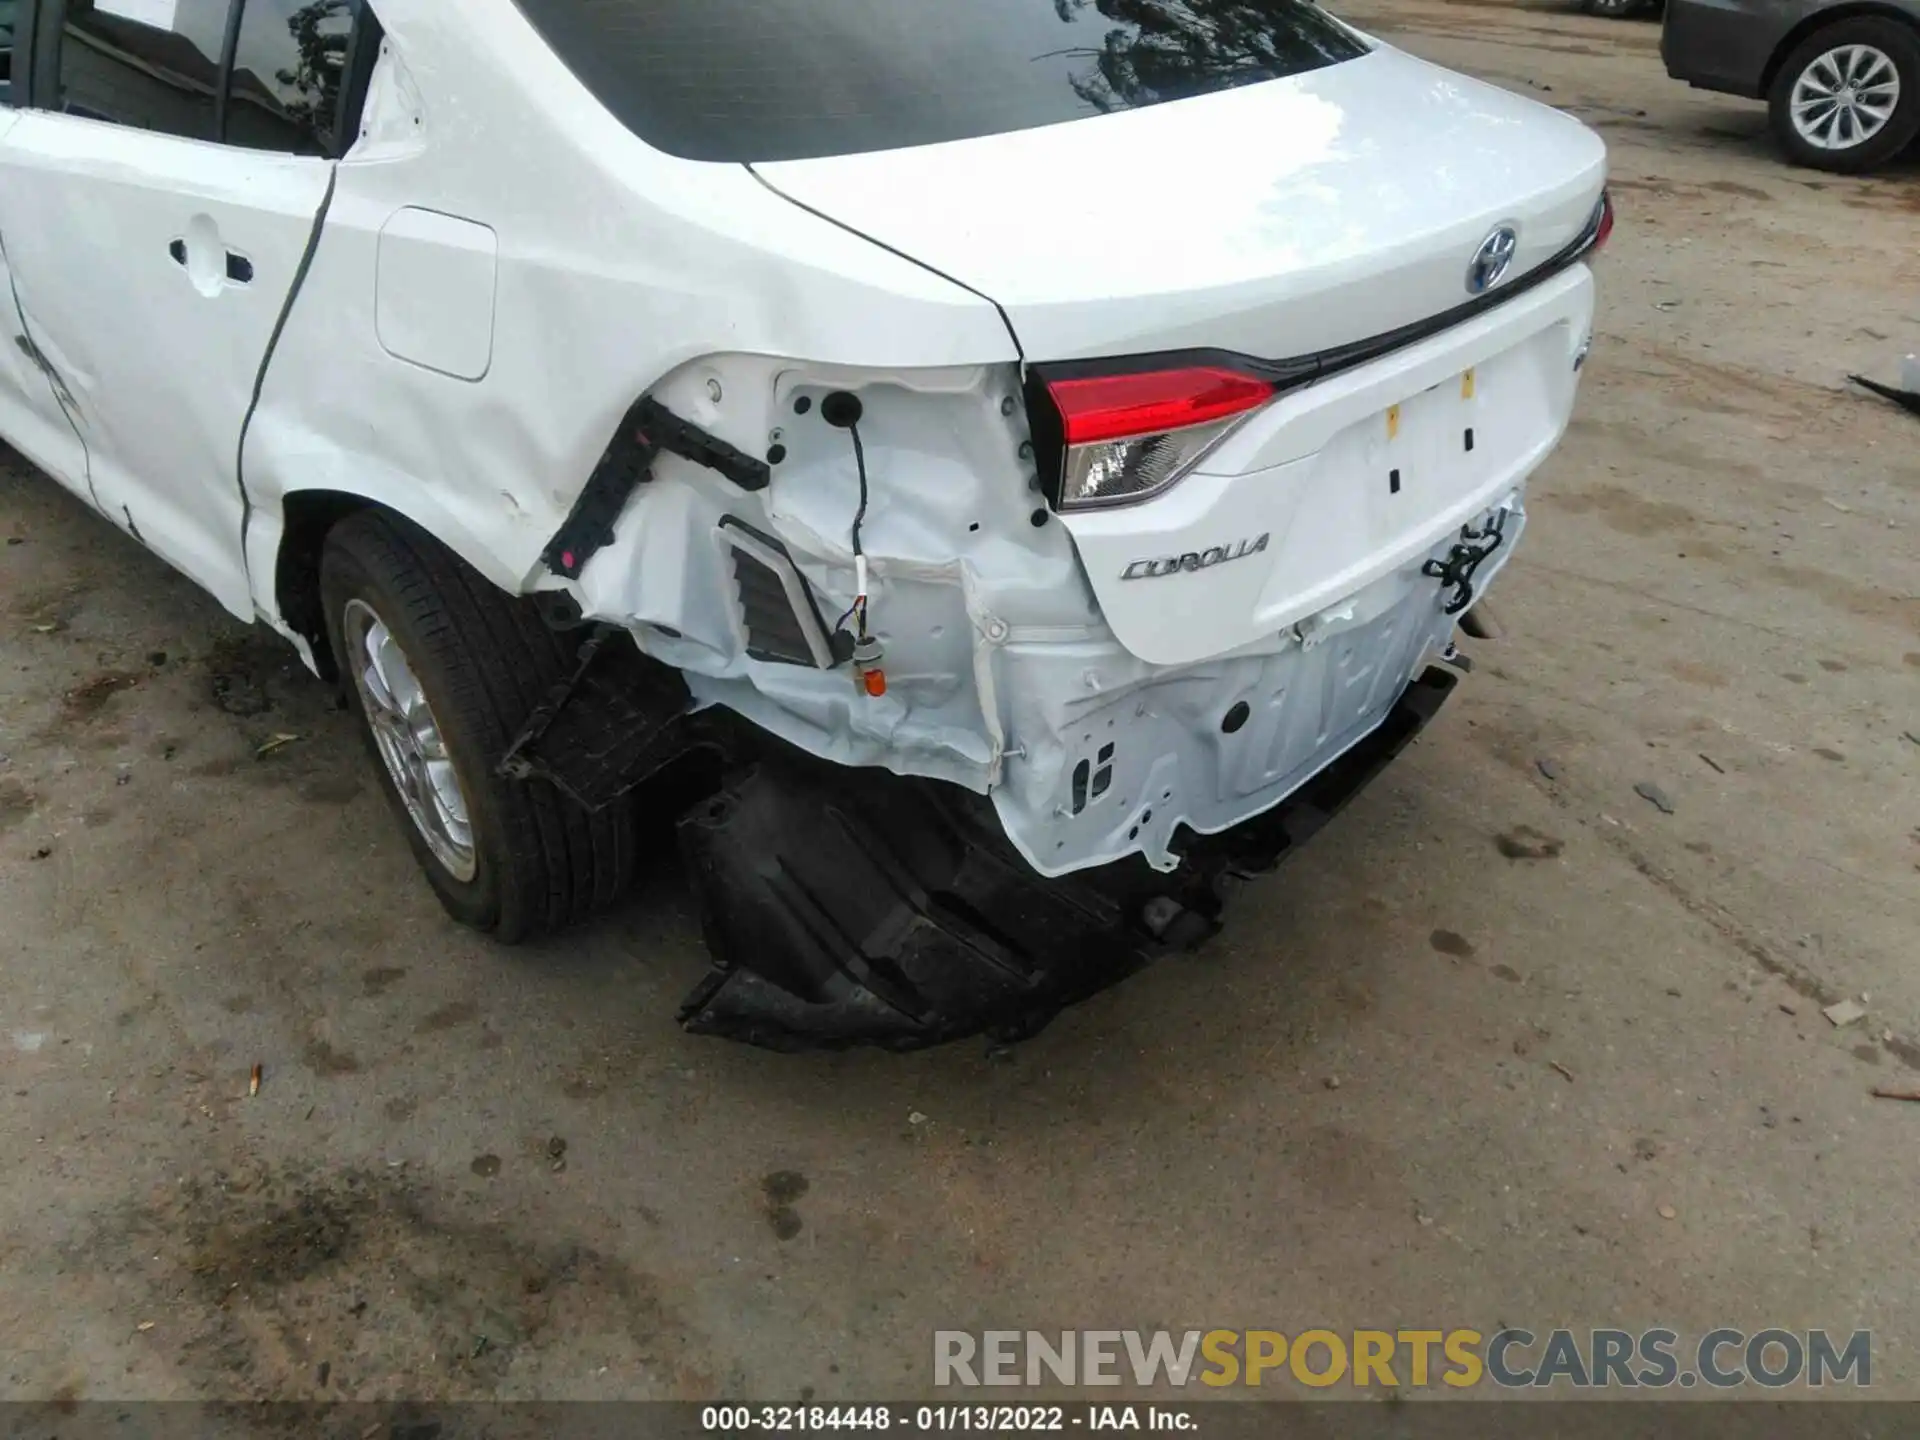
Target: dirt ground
{"type": "Point", "coordinates": [1508, 1044]}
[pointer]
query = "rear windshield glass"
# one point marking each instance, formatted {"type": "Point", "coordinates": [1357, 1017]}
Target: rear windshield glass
{"type": "Point", "coordinates": [744, 80]}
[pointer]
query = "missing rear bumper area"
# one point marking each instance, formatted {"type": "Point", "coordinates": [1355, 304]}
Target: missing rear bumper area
{"type": "Point", "coordinates": [851, 907]}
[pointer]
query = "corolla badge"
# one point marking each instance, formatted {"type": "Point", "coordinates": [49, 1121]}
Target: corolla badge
{"type": "Point", "coordinates": [1191, 560]}
{"type": "Point", "coordinates": [1492, 260]}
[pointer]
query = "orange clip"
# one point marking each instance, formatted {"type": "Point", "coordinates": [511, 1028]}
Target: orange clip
{"type": "Point", "coordinates": [875, 681]}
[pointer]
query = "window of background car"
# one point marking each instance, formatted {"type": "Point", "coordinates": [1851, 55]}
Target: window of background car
{"type": "Point", "coordinates": [154, 64]}
{"type": "Point", "coordinates": [287, 72]}
{"type": "Point", "coordinates": [745, 80]}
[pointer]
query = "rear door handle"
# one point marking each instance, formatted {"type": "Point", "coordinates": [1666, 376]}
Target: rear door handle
{"type": "Point", "coordinates": [238, 267]}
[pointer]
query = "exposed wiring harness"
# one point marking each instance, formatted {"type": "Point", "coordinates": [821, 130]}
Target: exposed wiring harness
{"type": "Point", "coordinates": [843, 411]}
{"type": "Point", "coordinates": [858, 610]}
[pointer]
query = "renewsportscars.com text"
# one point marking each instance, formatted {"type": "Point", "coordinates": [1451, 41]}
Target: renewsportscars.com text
{"type": "Point", "coordinates": [1512, 1358]}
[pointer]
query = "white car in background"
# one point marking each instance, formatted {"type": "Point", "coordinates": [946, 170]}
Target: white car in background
{"type": "Point", "coordinates": [1039, 446]}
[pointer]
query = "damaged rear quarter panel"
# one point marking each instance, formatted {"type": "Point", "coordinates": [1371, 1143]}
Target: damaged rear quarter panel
{"type": "Point", "coordinates": [615, 266]}
{"type": "Point", "coordinates": [955, 558]}
{"type": "Point", "coordinates": [619, 272]}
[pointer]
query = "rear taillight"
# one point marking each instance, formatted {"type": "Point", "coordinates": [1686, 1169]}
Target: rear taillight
{"type": "Point", "coordinates": [1603, 221]}
{"type": "Point", "coordinates": [1131, 436]}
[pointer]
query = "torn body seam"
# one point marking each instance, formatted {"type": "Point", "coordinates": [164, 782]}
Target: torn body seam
{"type": "Point", "coordinates": [266, 360]}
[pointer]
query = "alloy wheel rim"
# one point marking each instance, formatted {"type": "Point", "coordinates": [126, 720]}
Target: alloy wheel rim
{"type": "Point", "coordinates": [409, 740]}
{"type": "Point", "coordinates": [1845, 97]}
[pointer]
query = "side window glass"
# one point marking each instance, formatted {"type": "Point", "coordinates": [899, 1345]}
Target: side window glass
{"type": "Point", "coordinates": [154, 64]}
{"type": "Point", "coordinates": [287, 73]}
{"type": "Point", "coordinates": [7, 10]}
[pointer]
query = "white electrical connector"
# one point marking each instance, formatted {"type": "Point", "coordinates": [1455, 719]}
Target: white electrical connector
{"type": "Point", "coordinates": [860, 577]}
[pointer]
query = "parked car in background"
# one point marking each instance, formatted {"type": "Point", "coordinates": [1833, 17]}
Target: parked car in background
{"type": "Point", "coordinates": [1624, 9]}
{"type": "Point", "coordinates": [1841, 79]}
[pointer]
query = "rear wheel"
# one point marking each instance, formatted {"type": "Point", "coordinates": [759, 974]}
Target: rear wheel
{"type": "Point", "coordinates": [1848, 96]}
{"type": "Point", "coordinates": [443, 670]}
{"type": "Point", "coordinates": [1616, 9]}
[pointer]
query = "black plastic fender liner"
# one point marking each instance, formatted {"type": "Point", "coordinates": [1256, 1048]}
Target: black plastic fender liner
{"type": "Point", "coordinates": [618, 718]}
{"type": "Point", "coordinates": [851, 907]}
{"type": "Point", "coordinates": [847, 907]}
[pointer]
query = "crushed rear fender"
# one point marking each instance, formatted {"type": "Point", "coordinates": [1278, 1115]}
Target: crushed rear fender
{"type": "Point", "coordinates": [859, 907]}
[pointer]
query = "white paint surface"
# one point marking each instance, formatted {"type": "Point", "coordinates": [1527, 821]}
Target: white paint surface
{"type": "Point", "coordinates": [468, 373]}
{"type": "Point", "coordinates": [434, 304]}
{"type": "Point", "coordinates": [1273, 220]}
{"type": "Point", "coordinates": [1311, 472]}
{"type": "Point", "coordinates": [159, 356]}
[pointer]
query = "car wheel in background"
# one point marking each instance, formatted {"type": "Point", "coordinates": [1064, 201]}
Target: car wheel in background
{"type": "Point", "coordinates": [443, 669]}
{"type": "Point", "coordinates": [1616, 9]}
{"type": "Point", "coordinates": [1848, 96]}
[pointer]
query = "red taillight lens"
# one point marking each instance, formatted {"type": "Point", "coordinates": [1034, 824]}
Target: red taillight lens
{"type": "Point", "coordinates": [1131, 436]}
{"type": "Point", "coordinates": [1603, 225]}
{"type": "Point", "coordinates": [1118, 407]}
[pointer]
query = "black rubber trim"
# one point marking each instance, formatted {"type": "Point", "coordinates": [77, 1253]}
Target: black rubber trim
{"type": "Point", "coordinates": [223, 86]}
{"type": "Point", "coordinates": [1297, 370]}
{"type": "Point", "coordinates": [363, 53]}
{"type": "Point", "coordinates": [43, 30]}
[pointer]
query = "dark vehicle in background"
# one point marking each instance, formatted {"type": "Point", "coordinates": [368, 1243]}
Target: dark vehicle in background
{"type": "Point", "coordinates": [1841, 79]}
{"type": "Point", "coordinates": [1624, 9]}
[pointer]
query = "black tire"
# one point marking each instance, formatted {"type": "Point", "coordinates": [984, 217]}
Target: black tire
{"type": "Point", "coordinates": [1901, 44]}
{"type": "Point", "coordinates": [1615, 9]}
{"type": "Point", "coordinates": [484, 660]}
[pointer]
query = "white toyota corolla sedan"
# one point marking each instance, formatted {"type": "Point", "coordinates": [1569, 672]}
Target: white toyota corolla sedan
{"type": "Point", "coordinates": [1034, 450]}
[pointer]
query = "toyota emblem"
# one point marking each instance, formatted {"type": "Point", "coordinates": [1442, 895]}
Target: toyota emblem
{"type": "Point", "coordinates": [1492, 260]}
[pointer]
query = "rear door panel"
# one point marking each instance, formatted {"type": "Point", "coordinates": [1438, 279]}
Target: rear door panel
{"type": "Point", "coordinates": [31, 418]}
{"type": "Point", "coordinates": [152, 263]}
{"type": "Point", "coordinates": [31, 415]}
{"type": "Point", "coordinates": [157, 268]}
{"type": "Point", "coordinates": [36, 407]}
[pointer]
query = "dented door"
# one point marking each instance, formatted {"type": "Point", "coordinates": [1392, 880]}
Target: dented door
{"type": "Point", "coordinates": [155, 268]}
{"type": "Point", "coordinates": [32, 417]}
{"type": "Point", "coordinates": [36, 410]}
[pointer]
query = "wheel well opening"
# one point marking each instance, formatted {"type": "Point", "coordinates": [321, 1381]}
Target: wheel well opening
{"type": "Point", "coordinates": [309, 516]}
{"type": "Point", "coordinates": [1820, 20]}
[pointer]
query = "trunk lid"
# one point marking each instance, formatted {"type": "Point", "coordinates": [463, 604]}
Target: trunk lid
{"type": "Point", "coordinates": [1272, 220]}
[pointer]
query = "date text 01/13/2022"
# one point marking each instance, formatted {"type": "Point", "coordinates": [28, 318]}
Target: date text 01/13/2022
{"type": "Point", "coordinates": [942, 1419]}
